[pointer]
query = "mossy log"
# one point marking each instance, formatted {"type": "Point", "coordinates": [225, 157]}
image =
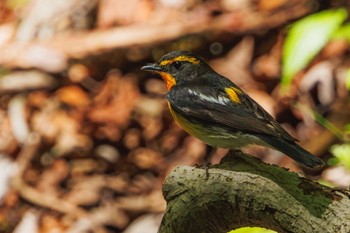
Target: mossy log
{"type": "Point", "coordinates": [244, 191]}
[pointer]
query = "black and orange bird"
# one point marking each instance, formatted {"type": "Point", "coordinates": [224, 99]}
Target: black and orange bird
{"type": "Point", "coordinates": [215, 110]}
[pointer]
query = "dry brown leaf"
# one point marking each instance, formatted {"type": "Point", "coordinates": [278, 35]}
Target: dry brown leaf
{"type": "Point", "coordinates": [50, 179]}
{"type": "Point", "coordinates": [268, 66]}
{"type": "Point", "coordinates": [270, 5]}
{"type": "Point", "coordinates": [86, 191]}
{"type": "Point", "coordinates": [192, 152]}
{"type": "Point", "coordinates": [73, 96]}
{"type": "Point", "coordinates": [236, 64]}
{"type": "Point", "coordinates": [58, 127]}
{"type": "Point", "coordinates": [152, 202]}
{"type": "Point", "coordinates": [322, 76]}
{"type": "Point", "coordinates": [146, 158]}
{"type": "Point", "coordinates": [78, 72]}
{"type": "Point", "coordinates": [107, 214]}
{"type": "Point", "coordinates": [51, 224]}
{"type": "Point", "coordinates": [115, 101]}
{"type": "Point", "coordinates": [108, 131]}
{"type": "Point", "coordinates": [37, 99]}
{"type": "Point", "coordinates": [132, 138]}
{"type": "Point", "coordinates": [123, 12]}
{"type": "Point", "coordinates": [144, 183]}
{"type": "Point", "coordinates": [107, 152]}
{"type": "Point", "coordinates": [8, 144]}
{"type": "Point", "coordinates": [148, 113]}
{"type": "Point", "coordinates": [335, 48]}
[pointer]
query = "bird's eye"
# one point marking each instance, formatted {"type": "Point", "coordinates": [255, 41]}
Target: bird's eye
{"type": "Point", "coordinates": [177, 65]}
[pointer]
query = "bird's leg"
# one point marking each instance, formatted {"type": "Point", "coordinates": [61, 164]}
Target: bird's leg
{"type": "Point", "coordinates": [208, 158]}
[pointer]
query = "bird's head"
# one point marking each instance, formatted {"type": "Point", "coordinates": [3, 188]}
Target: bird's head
{"type": "Point", "coordinates": [177, 67]}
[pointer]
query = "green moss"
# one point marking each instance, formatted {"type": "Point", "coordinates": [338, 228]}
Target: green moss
{"type": "Point", "coordinates": [315, 199]}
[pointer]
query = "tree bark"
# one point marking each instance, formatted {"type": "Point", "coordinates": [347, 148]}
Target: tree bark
{"type": "Point", "coordinates": [244, 191]}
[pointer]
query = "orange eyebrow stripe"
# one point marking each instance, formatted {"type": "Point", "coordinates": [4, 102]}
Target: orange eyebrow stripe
{"type": "Point", "coordinates": [233, 93]}
{"type": "Point", "coordinates": [180, 58]}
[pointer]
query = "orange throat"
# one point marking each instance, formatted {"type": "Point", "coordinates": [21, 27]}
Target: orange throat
{"type": "Point", "coordinates": [168, 79]}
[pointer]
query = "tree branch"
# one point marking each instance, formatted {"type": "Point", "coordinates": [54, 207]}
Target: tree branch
{"type": "Point", "coordinates": [244, 191]}
{"type": "Point", "coordinates": [63, 47]}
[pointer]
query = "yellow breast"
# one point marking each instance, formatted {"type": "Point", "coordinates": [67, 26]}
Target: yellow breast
{"type": "Point", "coordinates": [184, 123]}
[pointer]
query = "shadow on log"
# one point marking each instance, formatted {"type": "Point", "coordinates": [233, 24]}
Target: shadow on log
{"type": "Point", "coordinates": [244, 191]}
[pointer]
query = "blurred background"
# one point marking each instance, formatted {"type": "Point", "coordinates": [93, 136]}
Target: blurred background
{"type": "Point", "coordinates": [86, 139]}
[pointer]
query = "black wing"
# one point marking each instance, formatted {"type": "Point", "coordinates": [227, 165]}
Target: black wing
{"type": "Point", "coordinates": [214, 106]}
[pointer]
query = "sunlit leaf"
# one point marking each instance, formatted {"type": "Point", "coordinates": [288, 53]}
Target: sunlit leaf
{"type": "Point", "coordinates": [342, 153]}
{"type": "Point", "coordinates": [342, 33]}
{"type": "Point", "coordinates": [347, 127]}
{"type": "Point", "coordinates": [347, 77]}
{"type": "Point", "coordinates": [252, 230]}
{"type": "Point", "coordinates": [326, 183]}
{"type": "Point", "coordinates": [306, 38]}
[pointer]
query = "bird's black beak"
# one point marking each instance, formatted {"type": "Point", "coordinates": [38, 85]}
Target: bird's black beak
{"type": "Point", "coordinates": [152, 68]}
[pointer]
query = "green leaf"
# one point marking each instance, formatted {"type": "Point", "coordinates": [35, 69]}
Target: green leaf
{"type": "Point", "coordinates": [347, 77]}
{"type": "Point", "coordinates": [306, 38]}
{"type": "Point", "coordinates": [252, 230]}
{"type": "Point", "coordinates": [342, 33]}
{"type": "Point", "coordinates": [326, 183]}
{"type": "Point", "coordinates": [347, 128]}
{"type": "Point", "coordinates": [342, 153]}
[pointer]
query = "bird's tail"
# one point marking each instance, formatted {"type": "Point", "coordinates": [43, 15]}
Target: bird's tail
{"type": "Point", "coordinates": [294, 151]}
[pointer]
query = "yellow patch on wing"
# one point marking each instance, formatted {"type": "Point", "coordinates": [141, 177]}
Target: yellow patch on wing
{"type": "Point", "coordinates": [233, 93]}
{"type": "Point", "coordinates": [180, 58]}
{"type": "Point", "coordinates": [168, 79]}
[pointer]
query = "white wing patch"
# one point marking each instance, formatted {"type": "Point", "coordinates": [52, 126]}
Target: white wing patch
{"type": "Point", "coordinates": [222, 100]}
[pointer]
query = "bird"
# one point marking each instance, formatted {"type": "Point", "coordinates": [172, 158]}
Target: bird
{"type": "Point", "coordinates": [215, 110]}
